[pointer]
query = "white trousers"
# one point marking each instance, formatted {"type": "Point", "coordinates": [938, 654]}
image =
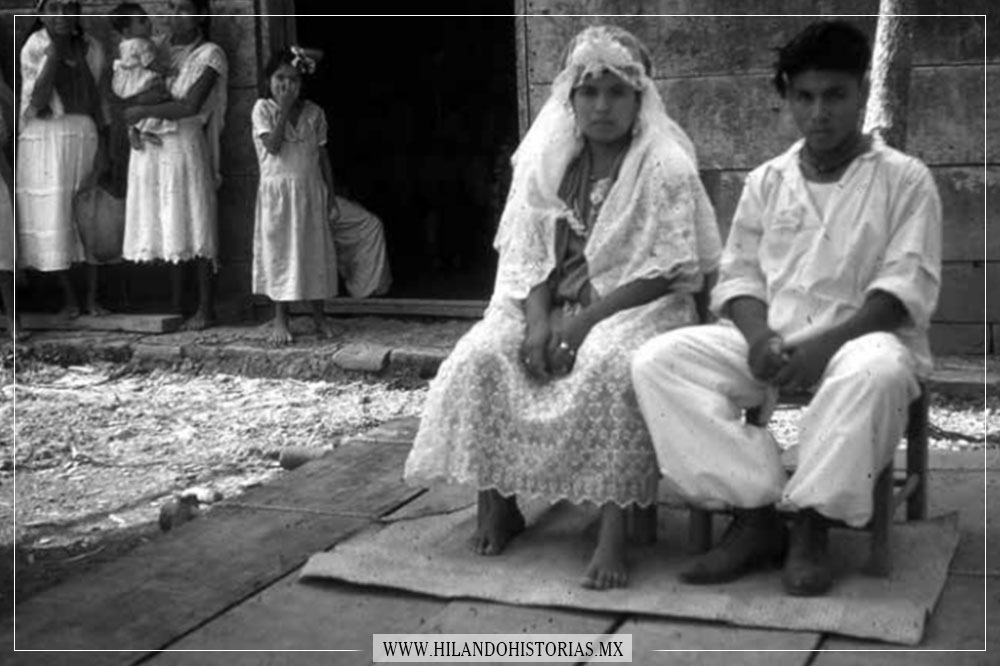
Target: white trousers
{"type": "Point", "coordinates": [694, 383]}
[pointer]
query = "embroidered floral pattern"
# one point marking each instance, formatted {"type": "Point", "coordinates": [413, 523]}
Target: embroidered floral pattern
{"type": "Point", "coordinates": [580, 438]}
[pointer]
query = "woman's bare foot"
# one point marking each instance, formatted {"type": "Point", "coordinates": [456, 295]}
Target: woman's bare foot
{"type": "Point", "coordinates": [499, 521]}
{"type": "Point", "coordinates": [199, 321]}
{"type": "Point", "coordinates": [71, 311]}
{"type": "Point", "coordinates": [280, 335]}
{"type": "Point", "coordinates": [607, 568]}
{"type": "Point", "coordinates": [324, 331]}
{"type": "Point", "coordinates": [17, 333]}
{"type": "Point", "coordinates": [95, 309]}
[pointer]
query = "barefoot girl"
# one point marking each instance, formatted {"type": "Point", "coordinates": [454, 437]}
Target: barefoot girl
{"type": "Point", "coordinates": [294, 256]}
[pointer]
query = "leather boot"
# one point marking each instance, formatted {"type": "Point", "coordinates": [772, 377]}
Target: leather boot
{"type": "Point", "coordinates": [807, 570]}
{"type": "Point", "coordinates": [755, 539]}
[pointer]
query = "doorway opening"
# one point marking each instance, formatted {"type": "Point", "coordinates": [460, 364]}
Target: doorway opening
{"type": "Point", "coordinates": [422, 115]}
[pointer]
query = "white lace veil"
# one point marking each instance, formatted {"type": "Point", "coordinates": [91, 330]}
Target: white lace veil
{"type": "Point", "coordinates": [660, 163]}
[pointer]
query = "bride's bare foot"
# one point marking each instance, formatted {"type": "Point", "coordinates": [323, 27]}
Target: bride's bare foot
{"type": "Point", "coordinates": [608, 568]}
{"type": "Point", "coordinates": [499, 521]}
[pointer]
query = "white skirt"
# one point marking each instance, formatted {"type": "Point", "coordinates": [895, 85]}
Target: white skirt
{"type": "Point", "coordinates": [361, 255]}
{"type": "Point", "coordinates": [579, 438]}
{"type": "Point", "coordinates": [170, 206]}
{"type": "Point", "coordinates": [293, 254]}
{"type": "Point", "coordinates": [54, 156]}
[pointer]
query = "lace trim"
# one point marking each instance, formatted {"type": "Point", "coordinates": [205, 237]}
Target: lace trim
{"type": "Point", "coordinates": [623, 497]}
{"type": "Point", "coordinates": [146, 257]}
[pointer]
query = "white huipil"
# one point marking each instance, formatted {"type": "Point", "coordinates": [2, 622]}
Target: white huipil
{"type": "Point", "coordinates": [55, 157]}
{"type": "Point", "coordinates": [880, 229]}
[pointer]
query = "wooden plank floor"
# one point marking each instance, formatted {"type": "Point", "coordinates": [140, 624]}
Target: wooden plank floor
{"type": "Point", "coordinates": [169, 587]}
{"type": "Point", "coordinates": [321, 615]}
{"type": "Point", "coordinates": [230, 581]}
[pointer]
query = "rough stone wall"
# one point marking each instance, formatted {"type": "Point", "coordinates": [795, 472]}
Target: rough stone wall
{"type": "Point", "coordinates": [713, 72]}
{"type": "Point", "coordinates": [714, 75]}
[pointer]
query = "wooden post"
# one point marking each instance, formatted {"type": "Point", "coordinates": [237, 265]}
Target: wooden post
{"type": "Point", "coordinates": [523, 67]}
{"type": "Point", "coordinates": [890, 75]}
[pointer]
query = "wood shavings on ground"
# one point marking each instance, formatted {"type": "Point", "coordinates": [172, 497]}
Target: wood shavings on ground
{"type": "Point", "coordinates": [91, 443]}
{"type": "Point", "coordinates": [100, 448]}
{"type": "Point", "coordinates": [956, 424]}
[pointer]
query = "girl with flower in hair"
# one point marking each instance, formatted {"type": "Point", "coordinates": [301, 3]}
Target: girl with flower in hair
{"type": "Point", "coordinates": [606, 234]}
{"type": "Point", "coordinates": [293, 249]}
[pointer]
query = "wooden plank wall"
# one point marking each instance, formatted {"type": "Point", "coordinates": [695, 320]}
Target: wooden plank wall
{"type": "Point", "coordinates": [239, 33]}
{"type": "Point", "coordinates": [714, 75]}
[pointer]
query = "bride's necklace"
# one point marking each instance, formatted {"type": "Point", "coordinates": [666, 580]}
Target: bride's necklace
{"type": "Point", "coordinates": [601, 185]}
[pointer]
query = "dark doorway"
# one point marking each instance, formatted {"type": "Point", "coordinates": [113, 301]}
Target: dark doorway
{"type": "Point", "coordinates": [423, 120]}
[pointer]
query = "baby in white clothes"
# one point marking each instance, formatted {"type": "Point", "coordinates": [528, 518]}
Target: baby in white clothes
{"type": "Point", "coordinates": [138, 70]}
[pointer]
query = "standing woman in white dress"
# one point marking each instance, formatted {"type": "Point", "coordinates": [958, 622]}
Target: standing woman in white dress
{"type": "Point", "coordinates": [170, 212]}
{"type": "Point", "coordinates": [7, 217]}
{"type": "Point", "coordinates": [58, 146]}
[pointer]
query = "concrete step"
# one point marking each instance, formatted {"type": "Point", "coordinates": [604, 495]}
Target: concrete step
{"type": "Point", "coordinates": [362, 348]}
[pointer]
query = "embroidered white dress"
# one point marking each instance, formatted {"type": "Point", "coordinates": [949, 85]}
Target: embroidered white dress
{"type": "Point", "coordinates": [486, 423]}
{"type": "Point", "coordinates": [294, 257]}
{"type": "Point", "coordinates": [170, 211]}
{"type": "Point", "coordinates": [55, 155]}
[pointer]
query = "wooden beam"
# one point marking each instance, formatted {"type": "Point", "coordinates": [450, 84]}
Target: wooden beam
{"type": "Point", "coordinates": [133, 323]}
{"type": "Point", "coordinates": [402, 307]}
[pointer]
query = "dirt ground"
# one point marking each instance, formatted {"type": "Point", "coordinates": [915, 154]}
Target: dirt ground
{"type": "Point", "coordinates": [101, 448]}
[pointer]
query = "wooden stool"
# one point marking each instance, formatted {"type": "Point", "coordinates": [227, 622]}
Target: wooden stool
{"type": "Point", "coordinates": [912, 486]}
